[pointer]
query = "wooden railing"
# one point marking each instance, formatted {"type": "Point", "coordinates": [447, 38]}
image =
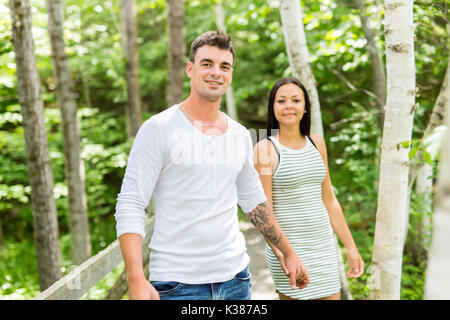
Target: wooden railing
{"type": "Point", "coordinates": [78, 282]}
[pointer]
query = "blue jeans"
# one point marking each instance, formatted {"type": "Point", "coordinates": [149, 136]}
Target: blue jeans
{"type": "Point", "coordinates": [237, 288]}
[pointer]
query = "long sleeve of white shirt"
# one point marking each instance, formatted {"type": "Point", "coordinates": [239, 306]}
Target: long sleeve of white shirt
{"type": "Point", "coordinates": [143, 168]}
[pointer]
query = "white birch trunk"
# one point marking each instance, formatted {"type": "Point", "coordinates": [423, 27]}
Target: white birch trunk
{"type": "Point", "coordinates": [398, 124]}
{"type": "Point", "coordinates": [45, 221]}
{"type": "Point", "coordinates": [295, 39]}
{"type": "Point", "coordinates": [74, 168]}
{"type": "Point", "coordinates": [437, 285]}
{"type": "Point", "coordinates": [220, 22]}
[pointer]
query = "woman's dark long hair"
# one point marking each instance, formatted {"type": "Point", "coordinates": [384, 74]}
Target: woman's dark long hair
{"type": "Point", "coordinates": [272, 122]}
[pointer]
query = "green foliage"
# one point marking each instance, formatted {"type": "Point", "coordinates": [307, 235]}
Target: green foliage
{"type": "Point", "coordinates": [354, 176]}
{"type": "Point", "coordinates": [413, 280]}
{"type": "Point", "coordinates": [416, 248]}
{"type": "Point", "coordinates": [18, 270]}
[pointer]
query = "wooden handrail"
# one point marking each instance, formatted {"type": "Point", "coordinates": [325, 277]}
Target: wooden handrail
{"type": "Point", "coordinates": [75, 284]}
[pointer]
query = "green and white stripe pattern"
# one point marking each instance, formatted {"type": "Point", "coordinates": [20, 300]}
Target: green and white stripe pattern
{"type": "Point", "coordinates": [301, 213]}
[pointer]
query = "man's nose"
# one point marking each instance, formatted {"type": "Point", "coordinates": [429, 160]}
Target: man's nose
{"type": "Point", "coordinates": [215, 70]}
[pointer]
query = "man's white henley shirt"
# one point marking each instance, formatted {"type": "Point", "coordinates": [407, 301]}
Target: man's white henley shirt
{"type": "Point", "coordinates": [197, 181]}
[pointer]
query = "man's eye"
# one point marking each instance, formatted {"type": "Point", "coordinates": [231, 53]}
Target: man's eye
{"type": "Point", "coordinates": [226, 68]}
{"type": "Point", "coordinates": [206, 64]}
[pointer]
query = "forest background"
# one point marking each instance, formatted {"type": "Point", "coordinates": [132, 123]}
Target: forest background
{"type": "Point", "coordinates": [342, 69]}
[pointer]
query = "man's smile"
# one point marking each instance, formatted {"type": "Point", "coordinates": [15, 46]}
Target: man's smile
{"type": "Point", "coordinates": [213, 83]}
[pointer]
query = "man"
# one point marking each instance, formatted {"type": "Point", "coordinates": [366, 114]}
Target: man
{"type": "Point", "coordinates": [198, 163]}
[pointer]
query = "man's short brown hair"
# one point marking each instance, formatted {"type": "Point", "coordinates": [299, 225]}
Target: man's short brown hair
{"type": "Point", "coordinates": [217, 39]}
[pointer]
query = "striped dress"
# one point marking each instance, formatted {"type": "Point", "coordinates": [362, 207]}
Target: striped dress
{"type": "Point", "coordinates": [301, 213]}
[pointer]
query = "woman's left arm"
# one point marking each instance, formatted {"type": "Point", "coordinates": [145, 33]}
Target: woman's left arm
{"type": "Point", "coordinates": [337, 219]}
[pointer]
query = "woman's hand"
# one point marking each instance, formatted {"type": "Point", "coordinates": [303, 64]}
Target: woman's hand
{"type": "Point", "coordinates": [355, 263]}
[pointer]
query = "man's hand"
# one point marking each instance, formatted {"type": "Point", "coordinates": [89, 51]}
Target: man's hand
{"type": "Point", "coordinates": [280, 257]}
{"type": "Point", "coordinates": [297, 273]}
{"type": "Point", "coordinates": [141, 289]}
{"type": "Point", "coordinates": [265, 221]}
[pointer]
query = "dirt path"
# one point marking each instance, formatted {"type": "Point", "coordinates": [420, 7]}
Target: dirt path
{"type": "Point", "coordinates": [262, 284]}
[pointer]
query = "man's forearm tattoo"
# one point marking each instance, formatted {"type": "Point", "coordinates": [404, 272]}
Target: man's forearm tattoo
{"type": "Point", "coordinates": [260, 217]}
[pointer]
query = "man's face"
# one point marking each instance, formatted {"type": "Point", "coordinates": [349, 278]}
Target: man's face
{"type": "Point", "coordinates": [211, 72]}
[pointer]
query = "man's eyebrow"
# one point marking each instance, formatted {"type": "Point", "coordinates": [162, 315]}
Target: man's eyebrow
{"type": "Point", "coordinates": [211, 61]}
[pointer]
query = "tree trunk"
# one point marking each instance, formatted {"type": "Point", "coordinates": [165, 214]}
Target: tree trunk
{"type": "Point", "coordinates": [424, 170]}
{"type": "Point", "coordinates": [220, 22]}
{"type": "Point", "coordinates": [74, 168]}
{"type": "Point", "coordinates": [129, 42]}
{"type": "Point", "coordinates": [294, 34]}
{"type": "Point", "coordinates": [176, 52]}
{"type": "Point", "coordinates": [38, 161]}
{"type": "Point", "coordinates": [376, 60]}
{"type": "Point", "coordinates": [398, 123]}
{"type": "Point", "coordinates": [442, 102]}
{"type": "Point", "coordinates": [437, 285]}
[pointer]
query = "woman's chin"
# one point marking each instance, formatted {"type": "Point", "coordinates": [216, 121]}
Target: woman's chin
{"type": "Point", "coordinates": [289, 122]}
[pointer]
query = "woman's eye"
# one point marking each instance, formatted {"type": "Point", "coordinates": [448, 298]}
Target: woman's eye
{"type": "Point", "coordinates": [280, 101]}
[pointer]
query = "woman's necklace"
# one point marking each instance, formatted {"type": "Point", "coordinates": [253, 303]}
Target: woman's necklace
{"type": "Point", "coordinates": [293, 145]}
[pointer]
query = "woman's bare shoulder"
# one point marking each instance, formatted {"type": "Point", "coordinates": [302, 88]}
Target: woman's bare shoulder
{"type": "Point", "coordinates": [263, 144]}
{"type": "Point", "coordinates": [264, 150]}
{"type": "Point", "coordinates": [319, 141]}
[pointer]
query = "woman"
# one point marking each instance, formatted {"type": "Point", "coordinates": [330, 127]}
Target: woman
{"type": "Point", "coordinates": [293, 169]}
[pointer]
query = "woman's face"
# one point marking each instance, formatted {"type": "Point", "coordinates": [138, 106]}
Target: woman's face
{"type": "Point", "coordinates": [289, 105]}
